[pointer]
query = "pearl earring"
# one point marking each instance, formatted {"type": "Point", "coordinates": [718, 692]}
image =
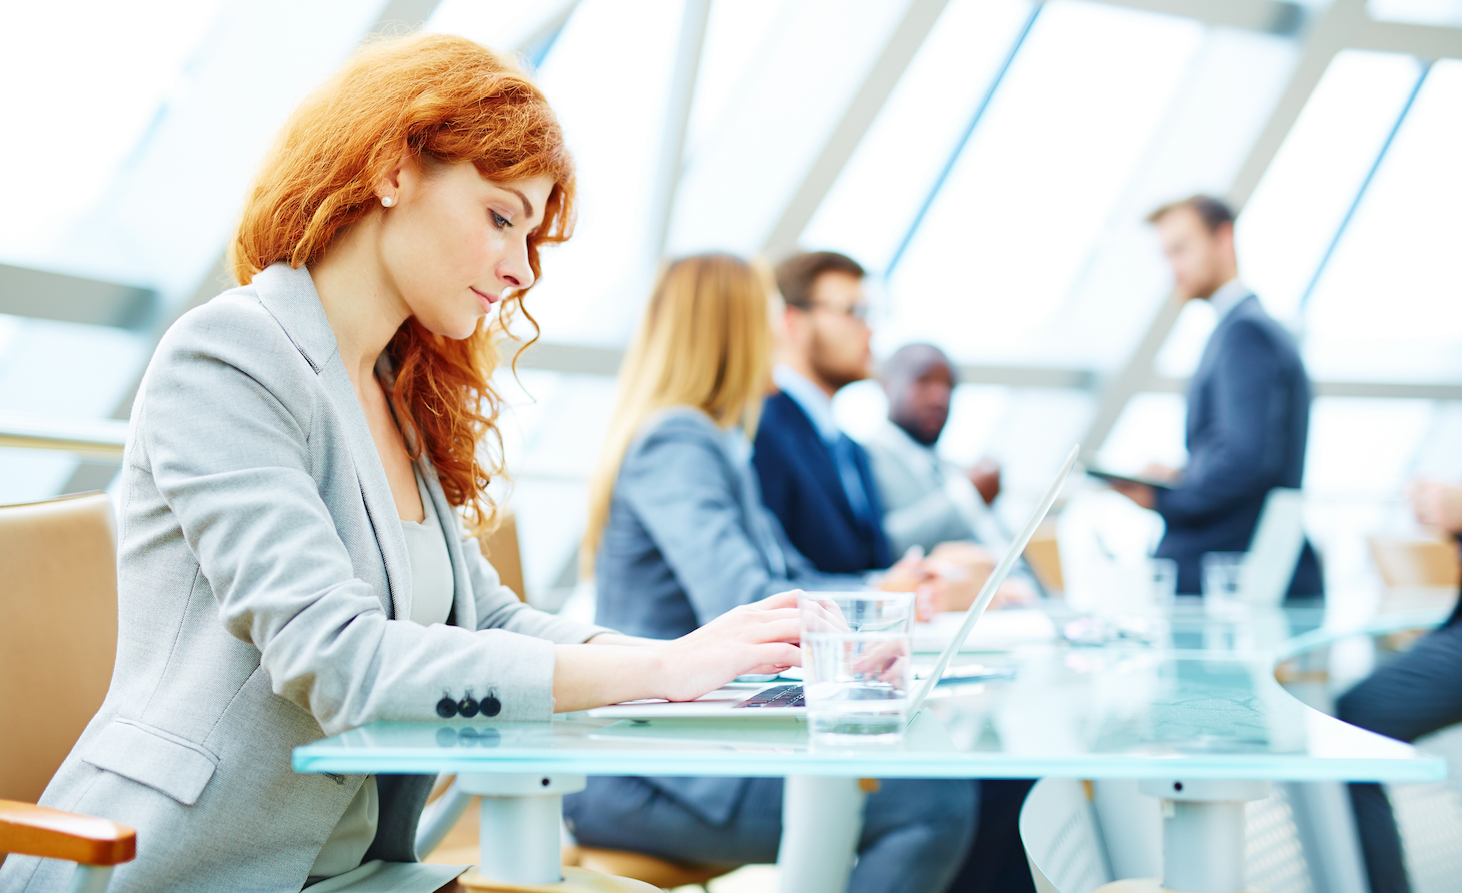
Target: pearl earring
{"type": "Point", "coordinates": [387, 201]}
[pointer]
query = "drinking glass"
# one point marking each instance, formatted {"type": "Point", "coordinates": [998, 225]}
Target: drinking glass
{"type": "Point", "coordinates": [1163, 577]}
{"type": "Point", "coordinates": [857, 672]}
{"type": "Point", "coordinates": [1223, 583]}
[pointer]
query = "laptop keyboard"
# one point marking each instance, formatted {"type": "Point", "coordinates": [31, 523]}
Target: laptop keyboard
{"type": "Point", "coordinates": [776, 696]}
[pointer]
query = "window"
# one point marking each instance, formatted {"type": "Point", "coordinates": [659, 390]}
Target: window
{"type": "Point", "coordinates": [1009, 234]}
{"type": "Point", "coordinates": [1389, 304]}
{"type": "Point", "coordinates": [878, 194]}
{"type": "Point", "coordinates": [745, 165]}
{"type": "Point", "coordinates": [1295, 212]}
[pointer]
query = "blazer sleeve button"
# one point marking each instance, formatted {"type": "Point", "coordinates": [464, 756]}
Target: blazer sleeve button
{"type": "Point", "coordinates": [491, 706]}
{"type": "Point", "coordinates": [446, 708]}
{"type": "Point", "coordinates": [468, 707]}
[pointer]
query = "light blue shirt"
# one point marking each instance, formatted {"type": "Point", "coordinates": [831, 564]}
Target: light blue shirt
{"type": "Point", "coordinates": [1227, 297]}
{"type": "Point", "coordinates": [812, 399]}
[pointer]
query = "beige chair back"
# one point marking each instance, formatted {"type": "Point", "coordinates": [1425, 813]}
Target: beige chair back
{"type": "Point", "coordinates": [58, 632]}
{"type": "Point", "coordinates": [1044, 557]}
{"type": "Point", "coordinates": [1416, 562]}
{"type": "Point", "coordinates": [500, 545]}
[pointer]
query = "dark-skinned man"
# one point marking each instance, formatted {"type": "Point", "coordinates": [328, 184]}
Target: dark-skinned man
{"type": "Point", "coordinates": [937, 506]}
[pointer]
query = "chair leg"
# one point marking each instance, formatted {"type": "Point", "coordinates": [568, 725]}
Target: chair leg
{"type": "Point", "coordinates": [439, 817]}
{"type": "Point", "coordinates": [90, 878]}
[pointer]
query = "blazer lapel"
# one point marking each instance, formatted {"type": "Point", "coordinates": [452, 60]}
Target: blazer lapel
{"type": "Point", "coordinates": [290, 296]}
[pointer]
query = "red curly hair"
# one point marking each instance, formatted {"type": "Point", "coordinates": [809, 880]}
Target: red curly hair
{"type": "Point", "coordinates": [443, 99]}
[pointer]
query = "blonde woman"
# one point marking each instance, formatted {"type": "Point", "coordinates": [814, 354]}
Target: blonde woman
{"type": "Point", "coordinates": [677, 537]}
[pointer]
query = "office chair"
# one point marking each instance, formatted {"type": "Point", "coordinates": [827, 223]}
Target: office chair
{"type": "Point", "coordinates": [58, 640]}
{"type": "Point", "coordinates": [1274, 551]}
{"type": "Point", "coordinates": [1080, 836]}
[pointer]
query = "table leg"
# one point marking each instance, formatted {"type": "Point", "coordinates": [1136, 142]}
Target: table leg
{"type": "Point", "coordinates": [521, 815]}
{"type": "Point", "coordinates": [1203, 832]}
{"type": "Point", "coordinates": [821, 821]}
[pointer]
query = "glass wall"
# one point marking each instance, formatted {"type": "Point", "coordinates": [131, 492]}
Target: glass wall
{"type": "Point", "coordinates": [997, 197]}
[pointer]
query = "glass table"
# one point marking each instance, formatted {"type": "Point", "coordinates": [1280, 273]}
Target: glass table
{"type": "Point", "coordinates": [1204, 726]}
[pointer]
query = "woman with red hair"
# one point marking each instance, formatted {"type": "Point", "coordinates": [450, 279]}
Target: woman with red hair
{"type": "Point", "coordinates": [292, 561]}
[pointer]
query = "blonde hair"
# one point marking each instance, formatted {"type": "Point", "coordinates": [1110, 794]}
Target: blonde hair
{"type": "Point", "coordinates": [705, 341]}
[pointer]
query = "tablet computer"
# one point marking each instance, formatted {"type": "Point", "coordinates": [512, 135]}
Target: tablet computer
{"type": "Point", "coordinates": [1112, 478]}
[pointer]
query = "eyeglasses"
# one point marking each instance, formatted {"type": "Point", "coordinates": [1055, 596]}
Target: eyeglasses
{"type": "Point", "coordinates": [852, 311]}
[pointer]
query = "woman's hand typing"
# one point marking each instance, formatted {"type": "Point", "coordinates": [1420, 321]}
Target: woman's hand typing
{"type": "Point", "coordinates": [761, 637]}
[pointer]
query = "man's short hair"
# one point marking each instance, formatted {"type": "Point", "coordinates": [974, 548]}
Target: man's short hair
{"type": "Point", "coordinates": [796, 274]}
{"type": "Point", "coordinates": [1213, 212]}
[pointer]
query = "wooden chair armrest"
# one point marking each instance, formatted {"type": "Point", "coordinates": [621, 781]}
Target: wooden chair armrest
{"type": "Point", "coordinates": [30, 830]}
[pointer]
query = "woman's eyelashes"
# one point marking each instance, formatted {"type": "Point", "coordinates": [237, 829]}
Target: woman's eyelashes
{"type": "Point", "coordinates": [499, 220]}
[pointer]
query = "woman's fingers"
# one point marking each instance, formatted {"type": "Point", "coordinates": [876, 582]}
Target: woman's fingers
{"type": "Point", "coordinates": [776, 655]}
{"type": "Point", "coordinates": [824, 616]}
{"type": "Point", "coordinates": [786, 599]}
{"type": "Point", "coordinates": [787, 630]}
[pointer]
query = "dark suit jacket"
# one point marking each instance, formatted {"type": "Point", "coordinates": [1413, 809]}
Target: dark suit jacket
{"type": "Point", "coordinates": [1248, 418]}
{"type": "Point", "coordinates": [800, 484]}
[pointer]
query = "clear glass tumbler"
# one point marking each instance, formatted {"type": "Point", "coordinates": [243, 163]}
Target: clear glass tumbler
{"type": "Point", "coordinates": [1223, 583]}
{"type": "Point", "coordinates": [1163, 575]}
{"type": "Point", "coordinates": [857, 648]}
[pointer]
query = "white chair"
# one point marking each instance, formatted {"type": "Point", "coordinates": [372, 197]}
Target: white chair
{"type": "Point", "coordinates": [1076, 833]}
{"type": "Point", "coordinates": [1274, 552]}
{"type": "Point", "coordinates": [1063, 837]}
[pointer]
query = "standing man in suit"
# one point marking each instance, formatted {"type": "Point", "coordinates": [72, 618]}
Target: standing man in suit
{"type": "Point", "coordinates": [1248, 406]}
{"type": "Point", "coordinates": [814, 478]}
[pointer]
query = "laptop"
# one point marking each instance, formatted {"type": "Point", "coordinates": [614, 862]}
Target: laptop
{"type": "Point", "coordinates": [784, 699]}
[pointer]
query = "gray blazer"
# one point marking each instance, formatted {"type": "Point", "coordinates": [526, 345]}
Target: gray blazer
{"type": "Point", "coordinates": [917, 511]}
{"type": "Point", "coordinates": [688, 539]}
{"type": "Point", "coordinates": [261, 569]}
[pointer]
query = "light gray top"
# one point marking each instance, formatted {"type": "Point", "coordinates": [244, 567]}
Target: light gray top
{"type": "Point", "coordinates": [263, 585]}
{"type": "Point", "coordinates": [431, 565]}
{"type": "Point", "coordinates": [431, 602]}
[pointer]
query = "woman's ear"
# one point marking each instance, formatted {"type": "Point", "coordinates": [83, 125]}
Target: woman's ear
{"type": "Point", "coordinates": [401, 180]}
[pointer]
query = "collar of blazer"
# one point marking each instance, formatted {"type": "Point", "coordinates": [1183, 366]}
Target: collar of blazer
{"type": "Point", "coordinates": [290, 297]}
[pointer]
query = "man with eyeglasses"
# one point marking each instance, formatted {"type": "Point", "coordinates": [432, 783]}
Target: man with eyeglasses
{"type": "Point", "coordinates": [814, 478]}
{"type": "Point", "coordinates": [820, 485]}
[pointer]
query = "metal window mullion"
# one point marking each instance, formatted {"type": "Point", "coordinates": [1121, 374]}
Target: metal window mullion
{"type": "Point", "coordinates": [1425, 67]}
{"type": "Point", "coordinates": [963, 141]}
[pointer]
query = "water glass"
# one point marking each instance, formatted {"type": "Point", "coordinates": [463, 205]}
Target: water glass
{"type": "Point", "coordinates": [857, 648]}
{"type": "Point", "coordinates": [1163, 578]}
{"type": "Point", "coordinates": [1223, 583]}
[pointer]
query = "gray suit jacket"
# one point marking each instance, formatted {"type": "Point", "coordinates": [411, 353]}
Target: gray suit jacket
{"type": "Point", "coordinates": [262, 567]}
{"type": "Point", "coordinates": [688, 539]}
{"type": "Point", "coordinates": [917, 508]}
{"type": "Point", "coordinates": [925, 504]}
